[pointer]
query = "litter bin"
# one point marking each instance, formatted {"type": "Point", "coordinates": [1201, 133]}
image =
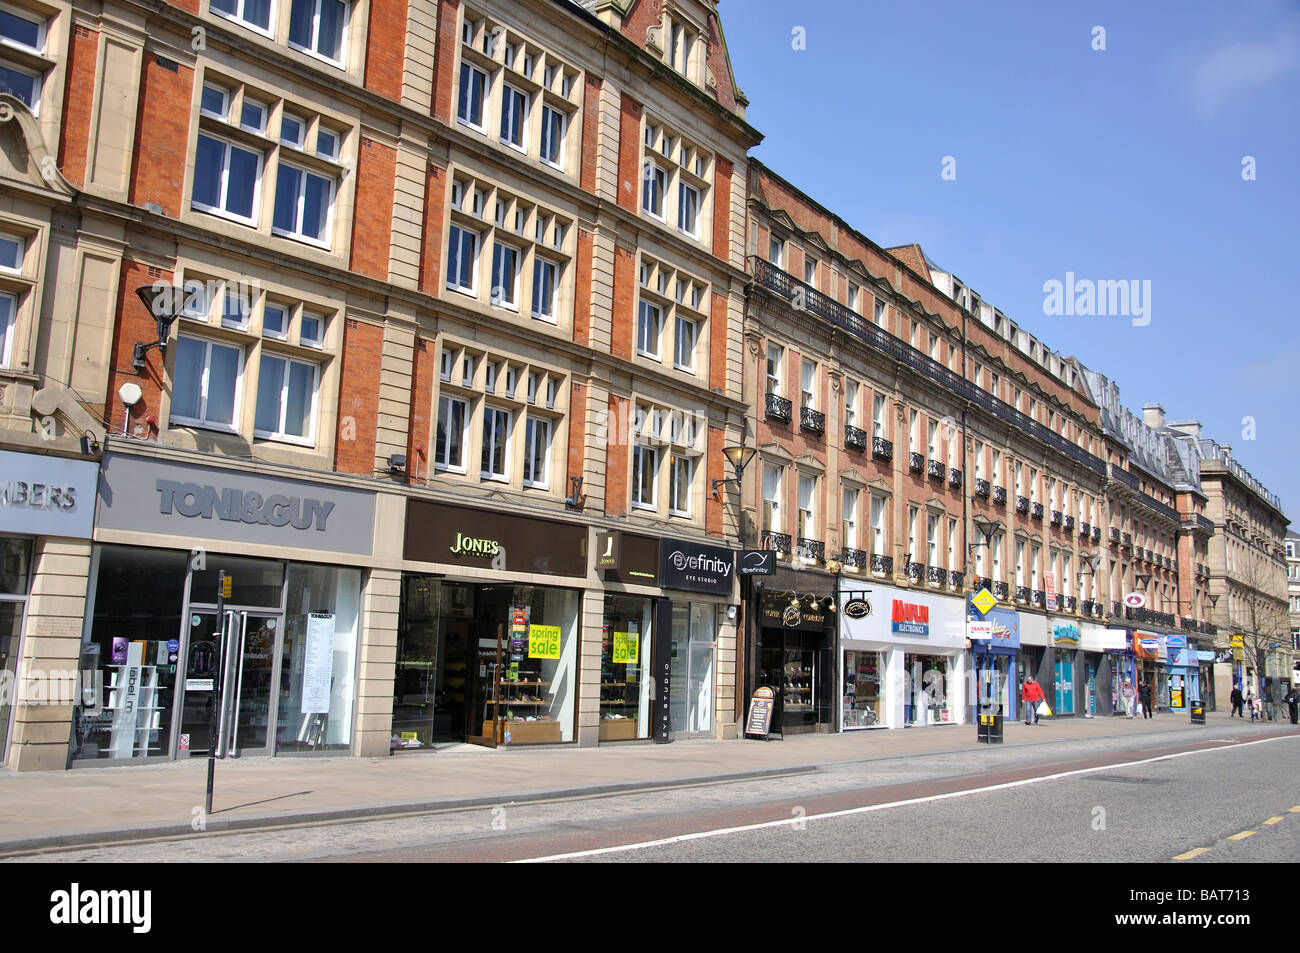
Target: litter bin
{"type": "Point", "coordinates": [989, 729]}
{"type": "Point", "coordinates": [1198, 712]}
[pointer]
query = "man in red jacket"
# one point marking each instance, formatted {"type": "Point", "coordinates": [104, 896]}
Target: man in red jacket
{"type": "Point", "coordinates": [1031, 693]}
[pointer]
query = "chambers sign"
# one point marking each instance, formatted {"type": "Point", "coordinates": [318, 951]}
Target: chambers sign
{"type": "Point", "coordinates": [46, 496]}
{"type": "Point", "coordinates": [192, 502]}
{"type": "Point", "coordinates": [696, 567]}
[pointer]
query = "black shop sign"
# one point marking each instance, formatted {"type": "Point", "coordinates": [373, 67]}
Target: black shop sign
{"type": "Point", "coordinates": [696, 567]}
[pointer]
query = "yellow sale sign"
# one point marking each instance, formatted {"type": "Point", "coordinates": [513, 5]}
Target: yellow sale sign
{"type": "Point", "coordinates": [626, 648]}
{"type": "Point", "coordinates": [544, 641]}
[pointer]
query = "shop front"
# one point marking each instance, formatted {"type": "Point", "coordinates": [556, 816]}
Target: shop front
{"type": "Point", "coordinates": [1183, 673]}
{"type": "Point", "coordinates": [271, 659]}
{"type": "Point", "coordinates": [995, 645]}
{"type": "Point", "coordinates": [1035, 656]}
{"type": "Point", "coordinates": [699, 581]}
{"type": "Point", "coordinates": [1205, 661]}
{"type": "Point", "coordinates": [488, 630]}
{"type": "Point", "coordinates": [1149, 658]}
{"type": "Point", "coordinates": [47, 507]}
{"type": "Point", "coordinates": [903, 659]}
{"type": "Point", "coordinates": [1097, 643]}
{"type": "Point", "coordinates": [1067, 667]}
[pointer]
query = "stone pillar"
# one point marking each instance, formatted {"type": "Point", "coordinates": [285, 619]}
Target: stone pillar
{"type": "Point", "coordinates": [591, 620]}
{"type": "Point", "coordinates": [380, 602]}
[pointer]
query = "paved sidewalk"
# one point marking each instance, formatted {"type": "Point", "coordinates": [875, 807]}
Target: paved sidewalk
{"type": "Point", "coordinates": [103, 804]}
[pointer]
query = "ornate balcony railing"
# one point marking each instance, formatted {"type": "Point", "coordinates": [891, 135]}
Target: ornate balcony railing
{"type": "Point", "coordinates": [1000, 590]}
{"type": "Point", "coordinates": [813, 421]}
{"type": "Point", "coordinates": [934, 575]}
{"type": "Point", "coordinates": [935, 469]}
{"type": "Point", "coordinates": [1125, 478]}
{"type": "Point", "coordinates": [1022, 504]}
{"type": "Point", "coordinates": [778, 541]}
{"type": "Point", "coordinates": [954, 477]}
{"type": "Point", "coordinates": [1000, 495]}
{"type": "Point", "coordinates": [982, 488]}
{"type": "Point", "coordinates": [1186, 622]}
{"type": "Point", "coordinates": [813, 550]}
{"type": "Point", "coordinates": [882, 565]}
{"type": "Point", "coordinates": [1086, 606]}
{"type": "Point", "coordinates": [1098, 609]}
{"type": "Point", "coordinates": [916, 570]}
{"type": "Point", "coordinates": [1114, 535]}
{"type": "Point", "coordinates": [854, 558]}
{"type": "Point", "coordinates": [779, 408]}
{"type": "Point", "coordinates": [915, 462]}
{"type": "Point", "coordinates": [881, 448]}
{"type": "Point", "coordinates": [1127, 541]}
{"type": "Point", "coordinates": [1022, 593]}
{"type": "Point", "coordinates": [1039, 598]}
{"type": "Point", "coordinates": [1155, 506]}
{"type": "Point", "coordinates": [1196, 522]}
{"type": "Point", "coordinates": [772, 279]}
{"type": "Point", "coordinates": [1116, 609]}
{"type": "Point", "coordinates": [1036, 510]}
{"type": "Point", "coordinates": [1056, 518]}
{"type": "Point", "coordinates": [855, 438]}
{"type": "Point", "coordinates": [1085, 529]}
{"type": "Point", "coordinates": [954, 579]}
{"type": "Point", "coordinates": [1069, 524]}
{"type": "Point", "coordinates": [1150, 617]}
{"type": "Point", "coordinates": [1070, 603]}
{"type": "Point", "coordinates": [1096, 534]}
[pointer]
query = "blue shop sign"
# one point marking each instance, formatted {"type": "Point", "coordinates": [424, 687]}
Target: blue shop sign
{"type": "Point", "coordinates": [1006, 631]}
{"type": "Point", "coordinates": [1065, 633]}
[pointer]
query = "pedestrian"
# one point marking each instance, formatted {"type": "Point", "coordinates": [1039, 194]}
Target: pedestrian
{"type": "Point", "coordinates": [1147, 701]}
{"type": "Point", "coordinates": [1251, 704]}
{"type": "Point", "coordinates": [1293, 705]}
{"type": "Point", "coordinates": [1031, 693]}
{"type": "Point", "coordinates": [1128, 694]}
{"type": "Point", "coordinates": [1236, 701]}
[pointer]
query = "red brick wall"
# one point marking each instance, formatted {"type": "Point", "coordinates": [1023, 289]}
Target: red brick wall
{"type": "Point", "coordinates": [590, 132]}
{"type": "Point", "coordinates": [372, 220]}
{"type": "Point", "coordinates": [444, 60]}
{"type": "Point", "coordinates": [577, 420]}
{"type": "Point", "coordinates": [718, 342]}
{"type": "Point", "coordinates": [363, 346]}
{"type": "Point", "coordinates": [722, 208]}
{"type": "Point", "coordinates": [717, 62]}
{"type": "Point", "coordinates": [712, 502]}
{"type": "Point", "coordinates": [385, 41]}
{"type": "Point", "coordinates": [616, 459]}
{"type": "Point", "coordinates": [629, 152]}
{"type": "Point", "coordinates": [191, 5]}
{"type": "Point", "coordinates": [623, 330]}
{"type": "Point", "coordinates": [419, 435]}
{"type": "Point", "coordinates": [134, 323]}
{"type": "Point", "coordinates": [582, 290]}
{"type": "Point", "coordinates": [435, 192]}
{"type": "Point", "coordinates": [162, 135]}
{"type": "Point", "coordinates": [79, 93]}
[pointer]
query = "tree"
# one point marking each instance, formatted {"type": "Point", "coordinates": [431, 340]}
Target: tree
{"type": "Point", "coordinates": [1258, 614]}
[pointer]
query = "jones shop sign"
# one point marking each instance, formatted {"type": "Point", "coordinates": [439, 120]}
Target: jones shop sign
{"type": "Point", "coordinates": [695, 567]}
{"type": "Point", "coordinates": [441, 533]}
{"type": "Point", "coordinates": [191, 502]}
{"type": "Point", "coordinates": [46, 496]}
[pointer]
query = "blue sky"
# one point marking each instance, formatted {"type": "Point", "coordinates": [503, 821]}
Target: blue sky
{"type": "Point", "coordinates": [1122, 163]}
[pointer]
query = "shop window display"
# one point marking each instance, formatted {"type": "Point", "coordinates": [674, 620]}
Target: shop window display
{"type": "Point", "coordinates": [863, 696]}
{"type": "Point", "coordinates": [694, 636]}
{"type": "Point", "coordinates": [624, 664]}
{"type": "Point", "coordinates": [927, 684]}
{"type": "Point", "coordinates": [15, 561]}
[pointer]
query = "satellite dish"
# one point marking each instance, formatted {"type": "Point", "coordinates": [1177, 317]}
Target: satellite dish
{"type": "Point", "coordinates": [130, 393]}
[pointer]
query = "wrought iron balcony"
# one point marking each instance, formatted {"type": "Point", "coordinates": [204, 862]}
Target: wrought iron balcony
{"type": "Point", "coordinates": [980, 582]}
{"type": "Point", "coordinates": [915, 570]}
{"type": "Point", "coordinates": [1187, 622]}
{"type": "Point", "coordinates": [954, 477]}
{"type": "Point", "coordinates": [1098, 610]}
{"type": "Point", "coordinates": [1124, 478]}
{"type": "Point", "coordinates": [778, 541]}
{"type": "Point", "coordinates": [1086, 606]}
{"type": "Point", "coordinates": [813, 421]}
{"type": "Point", "coordinates": [1000, 590]}
{"type": "Point", "coordinates": [813, 550]}
{"type": "Point", "coordinates": [779, 408]}
{"type": "Point", "coordinates": [1085, 529]}
{"type": "Point", "coordinates": [778, 283]}
{"type": "Point", "coordinates": [1114, 535]}
{"type": "Point", "coordinates": [1022, 593]}
{"type": "Point", "coordinates": [855, 438]}
{"type": "Point", "coordinates": [1151, 503]}
{"type": "Point", "coordinates": [982, 488]}
{"type": "Point", "coordinates": [1145, 616]}
{"type": "Point", "coordinates": [1197, 523]}
{"type": "Point", "coordinates": [881, 448]}
{"type": "Point", "coordinates": [1116, 609]}
{"type": "Point", "coordinates": [1096, 534]}
{"type": "Point", "coordinates": [882, 565]}
{"type": "Point", "coordinates": [1069, 524]}
{"type": "Point", "coordinates": [1036, 510]}
{"type": "Point", "coordinates": [1056, 518]}
{"type": "Point", "coordinates": [1070, 603]}
{"type": "Point", "coordinates": [1022, 504]}
{"type": "Point", "coordinates": [1000, 495]}
{"type": "Point", "coordinates": [934, 575]}
{"type": "Point", "coordinates": [915, 462]}
{"type": "Point", "coordinates": [1039, 598]}
{"type": "Point", "coordinates": [954, 579]}
{"type": "Point", "coordinates": [935, 469]}
{"type": "Point", "coordinates": [854, 558]}
{"type": "Point", "coordinates": [1127, 542]}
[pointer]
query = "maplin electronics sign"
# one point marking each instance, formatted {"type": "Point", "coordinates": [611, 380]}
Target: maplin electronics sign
{"type": "Point", "coordinates": [910, 618]}
{"type": "Point", "coordinates": [189, 502]}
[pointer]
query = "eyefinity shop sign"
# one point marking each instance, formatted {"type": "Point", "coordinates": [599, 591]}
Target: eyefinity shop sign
{"type": "Point", "coordinates": [695, 567]}
{"type": "Point", "coordinates": [187, 501]}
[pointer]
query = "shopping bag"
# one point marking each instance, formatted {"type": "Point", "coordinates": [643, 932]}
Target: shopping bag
{"type": "Point", "coordinates": [1043, 710]}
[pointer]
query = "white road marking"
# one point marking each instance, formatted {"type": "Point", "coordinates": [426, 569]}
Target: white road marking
{"type": "Point", "coordinates": [870, 808]}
